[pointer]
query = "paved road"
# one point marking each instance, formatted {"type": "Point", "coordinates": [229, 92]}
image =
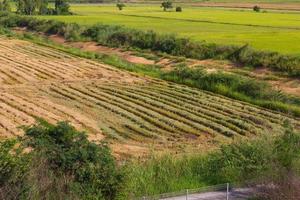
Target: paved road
{"type": "Point", "coordinates": [236, 194]}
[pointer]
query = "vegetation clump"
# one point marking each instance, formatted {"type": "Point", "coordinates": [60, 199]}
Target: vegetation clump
{"type": "Point", "coordinates": [5, 6]}
{"type": "Point", "coordinates": [167, 5]}
{"type": "Point", "coordinates": [247, 163]}
{"type": "Point", "coordinates": [62, 7]}
{"type": "Point", "coordinates": [40, 7]}
{"type": "Point", "coordinates": [256, 8]}
{"type": "Point", "coordinates": [57, 162]}
{"type": "Point", "coordinates": [178, 9]}
{"type": "Point", "coordinates": [120, 6]}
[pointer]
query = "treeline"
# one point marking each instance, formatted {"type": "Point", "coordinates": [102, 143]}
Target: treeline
{"type": "Point", "coordinates": [59, 162]}
{"type": "Point", "coordinates": [87, 1]}
{"type": "Point", "coordinates": [119, 36]}
{"type": "Point", "coordinates": [37, 7]}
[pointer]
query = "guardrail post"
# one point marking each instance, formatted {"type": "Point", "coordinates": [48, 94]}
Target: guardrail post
{"type": "Point", "coordinates": [227, 191]}
{"type": "Point", "coordinates": [187, 194]}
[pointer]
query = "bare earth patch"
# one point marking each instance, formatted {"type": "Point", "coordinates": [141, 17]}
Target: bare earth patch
{"type": "Point", "coordinates": [95, 47]}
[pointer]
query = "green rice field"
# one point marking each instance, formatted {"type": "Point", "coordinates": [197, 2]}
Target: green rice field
{"type": "Point", "coordinates": [272, 30]}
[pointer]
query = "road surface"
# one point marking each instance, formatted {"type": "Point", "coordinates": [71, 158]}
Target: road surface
{"type": "Point", "coordinates": [236, 194]}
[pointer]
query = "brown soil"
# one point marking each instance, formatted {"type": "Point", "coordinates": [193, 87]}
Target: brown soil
{"type": "Point", "coordinates": [95, 47]}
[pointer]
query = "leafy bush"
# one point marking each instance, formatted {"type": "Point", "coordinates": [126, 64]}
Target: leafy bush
{"type": "Point", "coordinates": [167, 5]}
{"type": "Point", "coordinates": [120, 6]}
{"type": "Point", "coordinates": [256, 8]}
{"type": "Point", "coordinates": [89, 170]}
{"type": "Point", "coordinates": [178, 9]}
{"type": "Point", "coordinates": [5, 6]}
{"type": "Point", "coordinates": [62, 7]}
{"type": "Point", "coordinates": [11, 160]}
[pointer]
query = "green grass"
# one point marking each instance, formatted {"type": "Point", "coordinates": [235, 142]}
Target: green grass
{"type": "Point", "coordinates": [271, 31]}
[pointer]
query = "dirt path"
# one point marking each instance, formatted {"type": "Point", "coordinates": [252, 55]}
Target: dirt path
{"type": "Point", "coordinates": [95, 47]}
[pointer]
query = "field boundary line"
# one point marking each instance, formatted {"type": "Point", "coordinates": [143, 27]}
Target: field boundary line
{"type": "Point", "coordinates": [205, 21]}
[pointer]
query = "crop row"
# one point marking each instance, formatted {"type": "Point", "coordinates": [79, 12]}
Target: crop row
{"type": "Point", "coordinates": [154, 112]}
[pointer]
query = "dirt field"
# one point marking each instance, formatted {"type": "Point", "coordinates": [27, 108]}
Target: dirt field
{"type": "Point", "coordinates": [136, 113]}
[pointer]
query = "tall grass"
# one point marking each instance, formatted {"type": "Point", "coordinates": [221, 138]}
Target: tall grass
{"type": "Point", "coordinates": [162, 174]}
{"type": "Point", "coordinates": [243, 162]}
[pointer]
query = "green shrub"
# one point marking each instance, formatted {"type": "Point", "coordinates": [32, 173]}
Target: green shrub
{"type": "Point", "coordinates": [256, 8]}
{"type": "Point", "coordinates": [59, 155]}
{"type": "Point", "coordinates": [5, 6]}
{"type": "Point", "coordinates": [62, 7]}
{"type": "Point", "coordinates": [167, 5]}
{"type": "Point", "coordinates": [11, 161]}
{"type": "Point", "coordinates": [120, 6]}
{"type": "Point", "coordinates": [178, 9]}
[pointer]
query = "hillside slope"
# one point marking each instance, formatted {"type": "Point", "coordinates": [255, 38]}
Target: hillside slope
{"type": "Point", "coordinates": [132, 110]}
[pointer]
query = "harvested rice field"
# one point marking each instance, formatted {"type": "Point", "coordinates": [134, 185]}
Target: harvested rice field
{"type": "Point", "coordinates": [128, 109]}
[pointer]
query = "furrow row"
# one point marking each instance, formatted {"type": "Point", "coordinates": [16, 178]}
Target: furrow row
{"type": "Point", "coordinates": [231, 122]}
{"type": "Point", "coordinates": [70, 94]}
{"type": "Point", "coordinates": [200, 124]}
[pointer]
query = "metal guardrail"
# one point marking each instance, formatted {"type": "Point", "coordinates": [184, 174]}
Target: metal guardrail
{"type": "Point", "coordinates": [188, 192]}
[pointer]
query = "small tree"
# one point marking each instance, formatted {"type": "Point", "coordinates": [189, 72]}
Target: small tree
{"type": "Point", "coordinates": [62, 7]}
{"type": "Point", "coordinates": [167, 5]}
{"type": "Point", "coordinates": [26, 7]}
{"type": "Point", "coordinates": [120, 6]}
{"type": "Point", "coordinates": [256, 8]}
{"type": "Point", "coordinates": [43, 7]}
{"type": "Point", "coordinates": [178, 9]}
